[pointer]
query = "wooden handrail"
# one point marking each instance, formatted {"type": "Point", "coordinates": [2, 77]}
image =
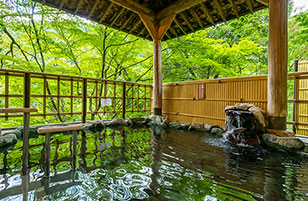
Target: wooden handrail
{"type": "Point", "coordinates": [60, 128]}
{"type": "Point", "coordinates": [15, 110]}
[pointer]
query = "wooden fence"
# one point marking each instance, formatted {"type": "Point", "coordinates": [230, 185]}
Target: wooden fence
{"type": "Point", "coordinates": [204, 100]}
{"type": "Point", "coordinates": [61, 96]}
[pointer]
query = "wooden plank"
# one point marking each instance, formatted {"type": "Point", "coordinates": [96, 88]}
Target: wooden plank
{"type": "Point", "coordinates": [16, 110]}
{"type": "Point", "coordinates": [264, 2]}
{"type": "Point", "coordinates": [6, 92]}
{"type": "Point", "coordinates": [117, 16]}
{"type": "Point", "coordinates": [106, 12]}
{"type": "Point", "coordinates": [49, 129]}
{"type": "Point", "coordinates": [187, 21]}
{"type": "Point", "coordinates": [84, 100]}
{"type": "Point", "coordinates": [194, 13]}
{"type": "Point", "coordinates": [234, 8]}
{"type": "Point", "coordinates": [93, 9]}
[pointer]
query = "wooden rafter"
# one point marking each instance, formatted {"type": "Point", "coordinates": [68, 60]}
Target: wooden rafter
{"type": "Point", "coordinates": [249, 4]}
{"type": "Point", "coordinates": [187, 21]}
{"type": "Point", "coordinates": [178, 7]}
{"type": "Point", "coordinates": [78, 6]}
{"type": "Point", "coordinates": [234, 8]}
{"type": "Point", "coordinates": [264, 2]}
{"type": "Point", "coordinates": [135, 26]}
{"type": "Point", "coordinates": [117, 16]}
{"type": "Point", "coordinates": [197, 18]}
{"type": "Point", "coordinates": [208, 14]}
{"type": "Point", "coordinates": [126, 22]}
{"type": "Point", "coordinates": [173, 31]}
{"type": "Point", "coordinates": [134, 6]}
{"type": "Point", "coordinates": [179, 25]}
{"type": "Point", "coordinates": [62, 4]}
{"type": "Point", "coordinates": [43, 2]}
{"type": "Point", "coordinates": [93, 9]}
{"type": "Point", "coordinates": [106, 12]}
{"type": "Point", "coordinates": [220, 10]}
{"type": "Point", "coordinates": [168, 35]}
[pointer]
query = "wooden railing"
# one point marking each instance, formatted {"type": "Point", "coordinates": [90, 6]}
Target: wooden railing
{"type": "Point", "coordinates": [60, 96]}
{"type": "Point", "coordinates": [204, 100]}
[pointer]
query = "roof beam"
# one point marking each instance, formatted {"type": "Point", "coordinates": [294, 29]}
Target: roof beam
{"type": "Point", "coordinates": [179, 25]}
{"type": "Point", "coordinates": [134, 6]}
{"type": "Point", "coordinates": [208, 13]}
{"type": "Point", "coordinates": [194, 13]}
{"type": "Point", "coordinates": [126, 22]}
{"type": "Point", "coordinates": [157, 28]}
{"type": "Point", "coordinates": [106, 12]}
{"type": "Point", "coordinates": [220, 10]}
{"type": "Point", "coordinates": [93, 8]}
{"type": "Point", "coordinates": [62, 4]}
{"type": "Point", "coordinates": [234, 7]}
{"type": "Point", "coordinates": [178, 7]}
{"type": "Point", "coordinates": [78, 6]}
{"type": "Point", "coordinates": [249, 4]}
{"type": "Point", "coordinates": [264, 2]}
{"type": "Point", "coordinates": [117, 17]}
{"type": "Point", "coordinates": [135, 26]}
{"type": "Point", "coordinates": [187, 21]}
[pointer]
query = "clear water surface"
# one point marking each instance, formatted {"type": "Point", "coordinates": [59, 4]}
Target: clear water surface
{"type": "Point", "coordinates": [136, 164]}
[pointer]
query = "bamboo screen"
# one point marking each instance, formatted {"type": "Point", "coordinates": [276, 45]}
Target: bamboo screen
{"type": "Point", "coordinates": [182, 101]}
{"type": "Point", "coordinates": [302, 104]}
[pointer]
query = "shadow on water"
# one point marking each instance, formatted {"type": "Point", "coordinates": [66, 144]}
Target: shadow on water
{"type": "Point", "coordinates": [137, 164]}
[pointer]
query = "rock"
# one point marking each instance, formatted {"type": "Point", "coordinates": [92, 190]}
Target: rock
{"type": "Point", "coordinates": [97, 126]}
{"type": "Point", "coordinates": [243, 106]}
{"type": "Point", "coordinates": [185, 125]}
{"type": "Point", "coordinates": [259, 114]}
{"type": "Point", "coordinates": [291, 144]}
{"type": "Point", "coordinates": [155, 120]}
{"type": "Point", "coordinates": [208, 127]}
{"type": "Point", "coordinates": [33, 131]}
{"type": "Point", "coordinates": [8, 140]}
{"type": "Point", "coordinates": [281, 133]}
{"type": "Point", "coordinates": [137, 121]}
{"type": "Point", "coordinates": [217, 131]}
{"type": "Point", "coordinates": [166, 121]}
{"type": "Point", "coordinates": [174, 125]}
{"type": "Point", "coordinates": [117, 122]}
{"type": "Point", "coordinates": [196, 126]}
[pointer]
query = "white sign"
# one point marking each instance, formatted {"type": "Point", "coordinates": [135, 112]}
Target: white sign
{"type": "Point", "coordinates": [106, 102]}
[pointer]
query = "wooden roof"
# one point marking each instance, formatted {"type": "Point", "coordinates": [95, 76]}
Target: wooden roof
{"type": "Point", "coordinates": [191, 15]}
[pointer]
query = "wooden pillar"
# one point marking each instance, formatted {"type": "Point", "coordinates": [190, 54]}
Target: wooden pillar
{"type": "Point", "coordinates": [277, 66]}
{"type": "Point", "coordinates": [157, 28]}
{"type": "Point", "coordinates": [26, 122]}
{"type": "Point", "coordinates": [157, 78]}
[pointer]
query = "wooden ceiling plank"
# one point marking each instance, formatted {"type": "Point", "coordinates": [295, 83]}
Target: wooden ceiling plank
{"type": "Point", "coordinates": [194, 13]}
{"type": "Point", "coordinates": [43, 2]}
{"type": "Point", "coordinates": [208, 13]}
{"type": "Point", "coordinates": [220, 10]}
{"type": "Point", "coordinates": [264, 2]}
{"type": "Point", "coordinates": [135, 26]}
{"type": "Point", "coordinates": [141, 32]}
{"type": "Point", "coordinates": [106, 12]}
{"type": "Point", "coordinates": [126, 22]}
{"type": "Point", "coordinates": [134, 6]}
{"type": "Point", "coordinates": [249, 4]}
{"type": "Point", "coordinates": [93, 9]}
{"type": "Point", "coordinates": [62, 4]}
{"type": "Point", "coordinates": [187, 21]}
{"type": "Point", "coordinates": [78, 6]}
{"type": "Point", "coordinates": [178, 7]}
{"type": "Point", "coordinates": [234, 8]}
{"type": "Point", "coordinates": [179, 25]}
{"type": "Point", "coordinates": [117, 16]}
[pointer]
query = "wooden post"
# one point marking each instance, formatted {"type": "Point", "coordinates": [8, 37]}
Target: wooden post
{"type": "Point", "coordinates": [123, 100]}
{"type": "Point", "coordinates": [157, 28]}
{"type": "Point", "coordinates": [277, 68]}
{"type": "Point", "coordinates": [25, 148]}
{"type": "Point", "coordinates": [74, 154]}
{"type": "Point", "coordinates": [84, 100]}
{"type": "Point", "coordinates": [157, 78]}
{"type": "Point", "coordinates": [47, 155]}
{"type": "Point", "coordinates": [295, 96]}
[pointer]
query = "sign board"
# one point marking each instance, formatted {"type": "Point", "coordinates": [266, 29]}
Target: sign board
{"type": "Point", "coordinates": [106, 102]}
{"type": "Point", "coordinates": [201, 91]}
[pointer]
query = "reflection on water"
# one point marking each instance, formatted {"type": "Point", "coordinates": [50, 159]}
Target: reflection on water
{"type": "Point", "coordinates": [140, 165]}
